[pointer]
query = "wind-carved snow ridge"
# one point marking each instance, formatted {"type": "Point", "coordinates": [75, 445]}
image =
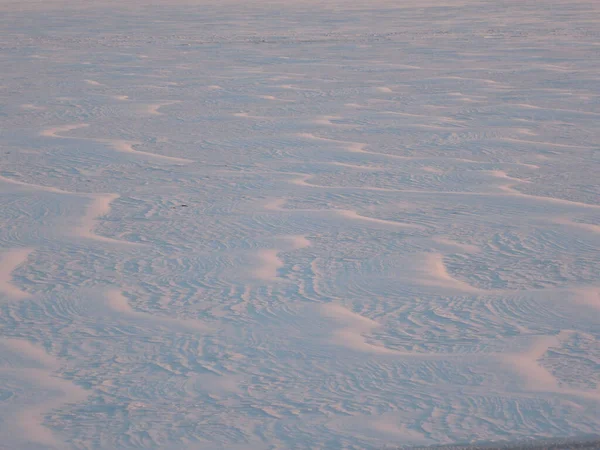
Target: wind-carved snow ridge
{"type": "Point", "coordinates": [10, 260]}
{"type": "Point", "coordinates": [154, 110]}
{"type": "Point", "coordinates": [538, 378]}
{"type": "Point", "coordinates": [98, 206]}
{"type": "Point", "coordinates": [324, 225]}
{"type": "Point", "coordinates": [27, 420]}
{"type": "Point", "coordinates": [119, 303]}
{"type": "Point", "coordinates": [352, 328]}
{"type": "Point", "coordinates": [350, 215]}
{"type": "Point", "coordinates": [120, 145]}
{"type": "Point", "coordinates": [269, 261]}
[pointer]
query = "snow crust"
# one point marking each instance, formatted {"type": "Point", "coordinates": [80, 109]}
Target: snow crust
{"type": "Point", "coordinates": [298, 225]}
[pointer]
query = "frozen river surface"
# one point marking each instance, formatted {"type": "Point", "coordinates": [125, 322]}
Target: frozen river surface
{"type": "Point", "coordinates": [298, 226]}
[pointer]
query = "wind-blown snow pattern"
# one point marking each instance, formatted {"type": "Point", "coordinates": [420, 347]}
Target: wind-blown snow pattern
{"type": "Point", "coordinates": [298, 225]}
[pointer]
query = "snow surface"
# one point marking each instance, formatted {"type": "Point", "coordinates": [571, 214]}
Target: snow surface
{"type": "Point", "coordinates": [298, 225]}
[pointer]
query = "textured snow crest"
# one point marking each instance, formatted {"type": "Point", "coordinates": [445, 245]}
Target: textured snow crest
{"type": "Point", "coordinates": [311, 225]}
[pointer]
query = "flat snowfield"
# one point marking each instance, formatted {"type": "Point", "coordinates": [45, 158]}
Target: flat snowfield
{"type": "Point", "coordinates": [259, 225]}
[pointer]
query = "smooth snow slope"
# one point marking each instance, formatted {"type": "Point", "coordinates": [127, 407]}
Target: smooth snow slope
{"type": "Point", "coordinates": [298, 225]}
